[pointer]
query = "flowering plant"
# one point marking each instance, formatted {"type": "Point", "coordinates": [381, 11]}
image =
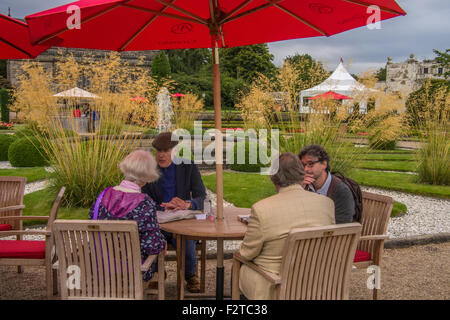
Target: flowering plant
{"type": "Point", "coordinates": [6, 126]}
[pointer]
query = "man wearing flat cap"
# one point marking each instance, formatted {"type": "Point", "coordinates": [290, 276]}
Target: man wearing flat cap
{"type": "Point", "coordinates": [180, 187]}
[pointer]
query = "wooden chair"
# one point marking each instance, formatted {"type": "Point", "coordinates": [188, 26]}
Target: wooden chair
{"type": "Point", "coordinates": [12, 190]}
{"type": "Point", "coordinates": [32, 253]}
{"type": "Point", "coordinates": [106, 256]}
{"type": "Point", "coordinates": [316, 264]}
{"type": "Point", "coordinates": [374, 219]}
{"type": "Point", "coordinates": [201, 257]}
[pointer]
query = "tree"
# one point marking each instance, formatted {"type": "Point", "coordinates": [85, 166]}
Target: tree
{"type": "Point", "coordinates": [160, 66]}
{"type": "Point", "coordinates": [247, 62]}
{"type": "Point", "coordinates": [5, 100]}
{"type": "Point", "coordinates": [443, 59]}
{"type": "Point", "coordinates": [3, 68]}
{"type": "Point", "coordinates": [188, 61]}
{"type": "Point", "coordinates": [4, 83]}
{"type": "Point", "coordinates": [381, 74]}
{"type": "Point", "coordinates": [310, 71]}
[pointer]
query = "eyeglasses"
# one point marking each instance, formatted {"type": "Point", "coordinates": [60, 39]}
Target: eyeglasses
{"type": "Point", "coordinates": [310, 164]}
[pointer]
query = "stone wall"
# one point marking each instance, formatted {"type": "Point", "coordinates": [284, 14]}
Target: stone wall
{"type": "Point", "coordinates": [49, 58]}
{"type": "Point", "coordinates": [409, 75]}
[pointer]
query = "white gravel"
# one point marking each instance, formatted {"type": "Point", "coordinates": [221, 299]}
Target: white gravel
{"type": "Point", "coordinates": [425, 215]}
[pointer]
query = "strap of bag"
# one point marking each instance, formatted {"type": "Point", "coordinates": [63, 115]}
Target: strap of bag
{"type": "Point", "coordinates": [97, 205]}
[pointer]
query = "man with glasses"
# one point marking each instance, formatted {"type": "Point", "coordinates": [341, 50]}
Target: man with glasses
{"type": "Point", "coordinates": [319, 179]}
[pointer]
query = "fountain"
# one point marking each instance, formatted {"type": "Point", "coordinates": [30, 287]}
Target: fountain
{"type": "Point", "coordinates": [165, 111]}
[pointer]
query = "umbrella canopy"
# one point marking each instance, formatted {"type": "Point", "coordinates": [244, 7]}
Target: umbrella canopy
{"type": "Point", "coordinates": [15, 40]}
{"type": "Point", "coordinates": [177, 95]}
{"type": "Point", "coordinates": [162, 24]}
{"type": "Point", "coordinates": [75, 93]}
{"type": "Point", "coordinates": [130, 25]}
{"type": "Point", "coordinates": [330, 95]}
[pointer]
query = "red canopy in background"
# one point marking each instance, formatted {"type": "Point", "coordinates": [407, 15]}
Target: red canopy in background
{"type": "Point", "coordinates": [177, 95]}
{"type": "Point", "coordinates": [15, 40]}
{"type": "Point", "coordinates": [139, 99]}
{"type": "Point", "coordinates": [330, 95]}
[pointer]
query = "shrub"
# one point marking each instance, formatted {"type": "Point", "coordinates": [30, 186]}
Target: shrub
{"type": "Point", "coordinates": [6, 126]}
{"type": "Point", "coordinates": [247, 166]}
{"type": "Point", "coordinates": [381, 144]}
{"type": "Point", "coordinates": [151, 131]}
{"type": "Point", "coordinates": [27, 152]}
{"type": "Point", "coordinates": [5, 141]}
{"type": "Point", "coordinates": [24, 132]}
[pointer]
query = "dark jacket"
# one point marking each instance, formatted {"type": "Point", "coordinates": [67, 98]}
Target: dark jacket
{"type": "Point", "coordinates": [344, 204]}
{"type": "Point", "coordinates": [189, 186]}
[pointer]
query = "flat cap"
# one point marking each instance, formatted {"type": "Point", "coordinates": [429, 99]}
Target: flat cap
{"type": "Point", "coordinates": [163, 141]}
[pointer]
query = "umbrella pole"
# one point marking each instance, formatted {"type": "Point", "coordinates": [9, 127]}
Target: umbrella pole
{"type": "Point", "coordinates": [219, 168]}
{"type": "Point", "coordinates": [218, 126]}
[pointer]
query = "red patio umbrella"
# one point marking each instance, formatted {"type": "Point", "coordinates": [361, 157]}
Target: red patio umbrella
{"type": "Point", "coordinates": [15, 40]}
{"type": "Point", "coordinates": [330, 95]}
{"type": "Point", "coordinates": [139, 99]}
{"type": "Point", "coordinates": [130, 25]}
{"type": "Point", "coordinates": [177, 95]}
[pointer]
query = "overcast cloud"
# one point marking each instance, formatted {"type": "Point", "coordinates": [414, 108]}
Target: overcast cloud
{"type": "Point", "coordinates": [425, 27]}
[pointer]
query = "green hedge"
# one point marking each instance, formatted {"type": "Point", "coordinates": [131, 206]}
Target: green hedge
{"type": "Point", "coordinates": [5, 100]}
{"type": "Point", "coordinates": [24, 132]}
{"type": "Point", "coordinates": [26, 152]}
{"type": "Point", "coordinates": [247, 166]}
{"type": "Point", "coordinates": [5, 141]}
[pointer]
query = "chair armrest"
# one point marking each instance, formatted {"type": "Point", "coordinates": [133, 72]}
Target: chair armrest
{"type": "Point", "coordinates": [273, 278]}
{"type": "Point", "coordinates": [21, 206]}
{"type": "Point", "coordinates": [24, 218]}
{"type": "Point", "coordinates": [148, 262]}
{"type": "Point", "coordinates": [22, 232]}
{"type": "Point", "coordinates": [374, 237]}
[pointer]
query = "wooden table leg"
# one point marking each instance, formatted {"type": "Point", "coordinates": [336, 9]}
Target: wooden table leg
{"type": "Point", "coordinates": [183, 266]}
{"type": "Point", "coordinates": [219, 270]}
{"type": "Point", "coordinates": [178, 251]}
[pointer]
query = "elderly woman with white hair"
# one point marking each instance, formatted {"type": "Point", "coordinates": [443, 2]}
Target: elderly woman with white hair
{"type": "Point", "coordinates": [127, 202]}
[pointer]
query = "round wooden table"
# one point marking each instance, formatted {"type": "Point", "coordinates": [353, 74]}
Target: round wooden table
{"type": "Point", "coordinates": [227, 229]}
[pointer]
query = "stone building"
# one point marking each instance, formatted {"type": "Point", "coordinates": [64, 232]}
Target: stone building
{"type": "Point", "coordinates": [409, 75]}
{"type": "Point", "coordinates": [49, 58]}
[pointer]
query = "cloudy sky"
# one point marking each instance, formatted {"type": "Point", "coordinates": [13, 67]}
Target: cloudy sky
{"type": "Point", "coordinates": [425, 27]}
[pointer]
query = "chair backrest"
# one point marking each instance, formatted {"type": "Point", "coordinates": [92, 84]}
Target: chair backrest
{"type": "Point", "coordinates": [317, 262]}
{"type": "Point", "coordinates": [55, 208]}
{"type": "Point", "coordinates": [375, 218]}
{"type": "Point", "coordinates": [12, 190]}
{"type": "Point", "coordinates": [98, 259]}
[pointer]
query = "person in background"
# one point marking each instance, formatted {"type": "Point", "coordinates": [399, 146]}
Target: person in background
{"type": "Point", "coordinates": [270, 222]}
{"type": "Point", "coordinates": [319, 179]}
{"type": "Point", "coordinates": [127, 202]}
{"type": "Point", "coordinates": [180, 187]}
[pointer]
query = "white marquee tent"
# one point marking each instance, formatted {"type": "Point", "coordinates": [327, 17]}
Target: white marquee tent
{"type": "Point", "coordinates": [340, 82]}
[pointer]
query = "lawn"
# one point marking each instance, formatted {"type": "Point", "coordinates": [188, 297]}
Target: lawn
{"type": "Point", "coordinates": [244, 189]}
{"type": "Point", "coordinates": [399, 182]}
{"type": "Point", "coordinates": [32, 174]}
{"type": "Point", "coordinates": [39, 203]}
{"type": "Point", "coordinates": [406, 166]}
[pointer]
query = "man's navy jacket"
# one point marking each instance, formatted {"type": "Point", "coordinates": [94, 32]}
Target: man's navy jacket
{"type": "Point", "coordinates": [188, 186]}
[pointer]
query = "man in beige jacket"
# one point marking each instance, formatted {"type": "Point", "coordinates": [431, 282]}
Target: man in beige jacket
{"type": "Point", "coordinates": [271, 220]}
